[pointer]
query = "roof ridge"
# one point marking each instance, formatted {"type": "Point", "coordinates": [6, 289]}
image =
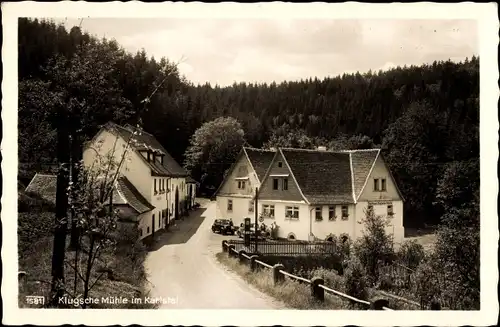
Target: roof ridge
{"type": "Point", "coordinates": [329, 151]}
{"type": "Point", "coordinates": [257, 149]}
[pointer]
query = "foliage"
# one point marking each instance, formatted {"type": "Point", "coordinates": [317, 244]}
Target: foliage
{"type": "Point", "coordinates": [31, 227]}
{"type": "Point", "coordinates": [458, 187]}
{"type": "Point", "coordinates": [375, 246]}
{"type": "Point", "coordinates": [32, 202]}
{"type": "Point", "coordinates": [356, 283]}
{"type": "Point", "coordinates": [213, 148]}
{"type": "Point", "coordinates": [410, 254]}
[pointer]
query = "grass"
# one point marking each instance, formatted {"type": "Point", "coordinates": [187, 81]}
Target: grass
{"type": "Point", "coordinates": [294, 294]}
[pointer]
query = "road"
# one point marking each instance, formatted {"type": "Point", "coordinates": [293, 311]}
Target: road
{"type": "Point", "coordinates": [184, 273]}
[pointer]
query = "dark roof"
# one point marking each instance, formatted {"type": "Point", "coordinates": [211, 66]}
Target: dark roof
{"type": "Point", "coordinates": [362, 162]}
{"type": "Point", "coordinates": [126, 193]}
{"type": "Point", "coordinates": [44, 185]}
{"type": "Point", "coordinates": [260, 160]}
{"type": "Point", "coordinates": [143, 141]}
{"type": "Point", "coordinates": [190, 180]}
{"type": "Point", "coordinates": [322, 176]}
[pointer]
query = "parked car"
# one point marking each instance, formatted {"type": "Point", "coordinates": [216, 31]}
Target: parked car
{"type": "Point", "coordinates": [223, 226]}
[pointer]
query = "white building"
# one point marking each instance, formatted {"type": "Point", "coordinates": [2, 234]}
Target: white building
{"type": "Point", "coordinates": [314, 194]}
{"type": "Point", "coordinates": [150, 184]}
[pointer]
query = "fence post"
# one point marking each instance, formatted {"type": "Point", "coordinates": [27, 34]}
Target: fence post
{"type": "Point", "coordinates": [379, 304]}
{"type": "Point", "coordinates": [240, 256]}
{"type": "Point", "coordinates": [316, 291]}
{"type": "Point", "coordinates": [435, 305]}
{"type": "Point", "coordinates": [277, 276]}
{"type": "Point", "coordinates": [230, 249]}
{"type": "Point", "coordinates": [224, 246]}
{"type": "Point", "coordinates": [253, 264]}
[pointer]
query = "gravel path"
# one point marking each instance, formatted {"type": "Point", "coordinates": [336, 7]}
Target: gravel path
{"type": "Point", "coordinates": [184, 272]}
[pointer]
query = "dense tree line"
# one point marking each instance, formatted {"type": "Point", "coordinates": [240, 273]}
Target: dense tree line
{"type": "Point", "coordinates": [426, 118]}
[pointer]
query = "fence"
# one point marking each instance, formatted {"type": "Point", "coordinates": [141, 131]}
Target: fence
{"type": "Point", "coordinates": [285, 247]}
{"type": "Point", "coordinates": [318, 288]}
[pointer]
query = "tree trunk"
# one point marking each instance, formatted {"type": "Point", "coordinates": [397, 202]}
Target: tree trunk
{"type": "Point", "coordinates": [61, 222]}
{"type": "Point", "coordinates": [76, 156]}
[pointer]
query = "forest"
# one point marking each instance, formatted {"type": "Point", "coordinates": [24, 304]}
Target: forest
{"type": "Point", "coordinates": [425, 118]}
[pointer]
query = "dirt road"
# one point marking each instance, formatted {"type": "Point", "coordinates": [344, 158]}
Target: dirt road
{"type": "Point", "coordinates": [184, 272]}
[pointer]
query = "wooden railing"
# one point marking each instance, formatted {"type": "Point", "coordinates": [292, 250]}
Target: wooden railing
{"type": "Point", "coordinates": [318, 289]}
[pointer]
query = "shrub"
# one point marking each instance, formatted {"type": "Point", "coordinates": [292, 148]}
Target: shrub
{"type": "Point", "coordinates": [331, 278]}
{"type": "Point", "coordinates": [356, 284]}
{"type": "Point", "coordinates": [375, 247]}
{"type": "Point", "coordinates": [411, 254]}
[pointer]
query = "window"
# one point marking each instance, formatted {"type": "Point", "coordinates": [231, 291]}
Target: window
{"type": "Point", "coordinates": [285, 184]}
{"type": "Point", "coordinates": [229, 205]}
{"type": "Point", "coordinates": [140, 232]}
{"type": "Point", "coordinates": [375, 184]}
{"type": "Point", "coordinates": [241, 185]}
{"type": "Point", "coordinates": [331, 213]}
{"type": "Point", "coordinates": [280, 164]}
{"type": "Point", "coordinates": [159, 220]}
{"type": "Point", "coordinates": [390, 210]}
{"type": "Point", "coordinates": [318, 214]}
{"type": "Point", "coordinates": [384, 187]}
{"type": "Point", "coordinates": [345, 212]}
{"type": "Point", "coordinates": [268, 210]}
{"type": "Point", "coordinates": [251, 205]}
{"type": "Point", "coordinates": [275, 183]}
{"type": "Point", "coordinates": [148, 229]}
{"type": "Point", "coordinates": [292, 212]}
{"type": "Point", "coordinates": [155, 187]}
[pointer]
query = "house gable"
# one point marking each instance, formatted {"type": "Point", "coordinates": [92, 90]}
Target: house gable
{"type": "Point", "coordinates": [240, 178]}
{"type": "Point", "coordinates": [280, 171]}
{"type": "Point", "coordinates": [380, 171]}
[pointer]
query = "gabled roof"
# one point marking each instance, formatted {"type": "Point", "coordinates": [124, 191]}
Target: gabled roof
{"type": "Point", "coordinates": [362, 163]}
{"type": "Point", "coordinates": [190, 180]}
{"type": "Point", "coordinates": [322, 176]}
{"type": "Point", "coordinates": [260, 160]}
{"type": "Point", "coordinates": [328, 177]}
{"type": "Point", "coordinates": [143, 141]}
{"type": "Point", "coordinates": [125, 193]}
{"type": "Point", "coordinates": [44, 185]}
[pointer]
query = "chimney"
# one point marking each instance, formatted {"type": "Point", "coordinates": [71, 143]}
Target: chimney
{"type": "Point", "coordinates": [321, 148]}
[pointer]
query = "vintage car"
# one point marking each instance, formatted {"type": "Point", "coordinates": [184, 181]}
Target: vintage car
{"type": "Point", "coordinates": [223, 226]}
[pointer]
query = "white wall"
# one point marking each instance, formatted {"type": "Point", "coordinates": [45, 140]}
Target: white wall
{"type": "Point", "coordinates": [395, 226]}
{"type": "Point", "coordinates": [322, 229]}
{"type": "Point", "coordinates": [299, 227]}
{"type": "Point", "coordinates": [176, 183]}
{"type": "Point", "coordinates": [107, 144]}
{"type": "Point", "coordinates": [240, 209]}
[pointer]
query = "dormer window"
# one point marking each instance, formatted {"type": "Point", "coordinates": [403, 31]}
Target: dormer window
{"type": "Point", "coordinates": [280, 164]}
{"type": "Point", "coordinates": [161, 158]}
{"type": "Point", "coordinates": [149, 156]}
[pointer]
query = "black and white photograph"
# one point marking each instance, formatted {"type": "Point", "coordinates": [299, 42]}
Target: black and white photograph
{"type": "Point", "coordinates": [260, 164]}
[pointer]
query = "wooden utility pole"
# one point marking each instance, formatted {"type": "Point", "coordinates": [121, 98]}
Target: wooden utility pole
{"type": "Point", "coordinates": [61, 219]}
{"type": "Point", "coordinates": [256, 217]}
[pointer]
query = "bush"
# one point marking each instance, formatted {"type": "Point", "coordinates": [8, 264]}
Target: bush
{"type": "Point", "coordinates": [375, 247]}
{"type": "Point", "coordinates": [31, 227]}
{"type": "Point", "coordinates": [411, 254]}
{"type": "Point", "coordinates": [331, 278]}
{"type": "Point", "coordinates": [356, 284]}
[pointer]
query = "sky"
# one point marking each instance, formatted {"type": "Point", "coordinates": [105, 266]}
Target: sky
{"type": "Point", "coordinates": [223, 50]}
